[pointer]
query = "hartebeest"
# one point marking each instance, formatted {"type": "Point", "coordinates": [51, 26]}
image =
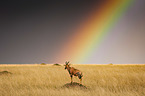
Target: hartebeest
{"type": "Point", "coordinates": [72, 71]}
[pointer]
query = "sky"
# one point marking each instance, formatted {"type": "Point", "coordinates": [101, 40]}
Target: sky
{"type": "Point", "coordinates": [36, 31]}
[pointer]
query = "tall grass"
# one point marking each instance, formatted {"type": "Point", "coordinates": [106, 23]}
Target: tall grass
{"type": "Point", "coordinates": [47, 80]}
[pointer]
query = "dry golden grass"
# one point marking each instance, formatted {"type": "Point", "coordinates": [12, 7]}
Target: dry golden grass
{"type": "Point", "coordinates": [47, 80]}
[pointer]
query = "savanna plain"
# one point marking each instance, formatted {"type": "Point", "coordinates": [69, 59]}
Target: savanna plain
{"type": "Point", "coordinates": [51, 80]}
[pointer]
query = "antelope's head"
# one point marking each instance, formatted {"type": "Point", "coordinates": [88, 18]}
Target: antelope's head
{"type": "Point", "coordinates": [66, 64]}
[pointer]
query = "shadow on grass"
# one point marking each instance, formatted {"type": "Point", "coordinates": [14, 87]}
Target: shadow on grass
{"type": "Point", "coordinates": [74, 85]}
{"type": "Point", "coordinates": [5, 73]}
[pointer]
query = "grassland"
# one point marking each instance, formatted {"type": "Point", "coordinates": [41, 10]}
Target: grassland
{"type": "Point", "coordinates": [49, 80]}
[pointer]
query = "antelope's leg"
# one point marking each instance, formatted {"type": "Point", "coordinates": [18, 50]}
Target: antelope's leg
{"type": "Point", "coordinates": [71, 78]}
{"type": "Point", "coordinates": [81, 81]}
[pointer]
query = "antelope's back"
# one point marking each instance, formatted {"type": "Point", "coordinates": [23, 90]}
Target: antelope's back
{"type": "Point", "coordinates": [76, 72]}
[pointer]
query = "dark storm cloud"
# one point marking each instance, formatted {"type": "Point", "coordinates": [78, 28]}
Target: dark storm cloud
{"type": "Point", "coordinates": [33, 30]}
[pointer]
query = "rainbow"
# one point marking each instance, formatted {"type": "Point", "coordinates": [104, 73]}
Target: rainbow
{"type": "Point", "coordinates": [92, 31]}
